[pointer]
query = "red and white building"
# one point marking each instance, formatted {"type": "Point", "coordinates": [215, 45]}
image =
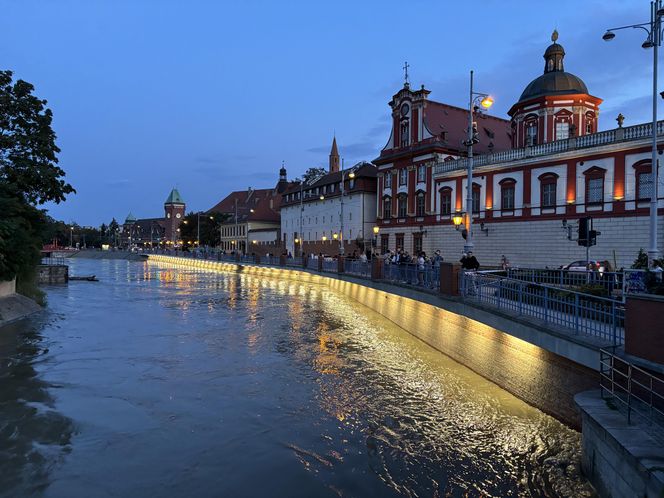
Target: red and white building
{"type": "Point", "coordinates": [558, 170]}
{"type": "Point", "coordinates": [424, 133]}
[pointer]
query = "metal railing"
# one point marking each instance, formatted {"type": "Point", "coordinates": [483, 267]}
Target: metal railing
{"type": "Point", "coordinates": [357, 267]}
{"type": "Point", "coordinates": [632, 387]}
{"type": "Point", "coordinates": [331, 265]}
{"type": "Point", "coordinates": [426, 276]}
{"type": "Point", "coordinates": [635, 132]}
{"type": "Point", "coordinates": [53, 261]}
{"type": "Point", "coordinates": [574, 311]}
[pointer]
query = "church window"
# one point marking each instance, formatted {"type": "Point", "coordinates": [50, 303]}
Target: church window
{"type": "Point", "coordinates": [507, 191]}
{"type": "Point", "coordinates": [419, 204]}
{"type": "Point", "coordinates": [387, 207]}
{"type": "Point", "coordinates": [643, 181]}
{"type": "Point", "coordinates": [548, 190]}
{"type": "Point", "coordinates": [531, 134]}
{"type": "Point", "coordinates": [562, 130]}
{"type": "Point", "coordinates": [403, 205]}
{"type": "Point", "coordinates": [403, 176]}
{"type": "Point", "coordinates": [476, 198]}
{"type": "Point", "coordinates": [446, 201]}
{"type": "Point", "coordinates": [421, 173]}
{"type": "Point", "coordinates": [595, 185]}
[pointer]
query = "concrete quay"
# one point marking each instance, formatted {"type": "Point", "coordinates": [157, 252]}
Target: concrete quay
{"type": "Point", "coordinates": [620, 459]}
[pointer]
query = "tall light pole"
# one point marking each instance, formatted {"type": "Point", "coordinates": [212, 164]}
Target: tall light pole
{"type": "Point", "coordinates": [486, 102]}
{"type": "Point", "coordinates": [301, 213]}
{"type": "Point", "coordinates": [653, 40]}
{"type": "Point", "coordinates": [71, 236]}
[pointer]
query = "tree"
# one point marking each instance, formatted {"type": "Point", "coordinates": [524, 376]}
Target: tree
{"type": "Point", "coordinates": [28, 153]}
{"type": "Point", "coordinates": [113, 228]}
{"type": "Point", "coordinates": [209, 229]}
{"type": "Point", "coordinates": [312, 173]}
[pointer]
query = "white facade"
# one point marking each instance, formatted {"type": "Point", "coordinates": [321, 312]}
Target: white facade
{"type": "Point", "coordinates": [322, 218]}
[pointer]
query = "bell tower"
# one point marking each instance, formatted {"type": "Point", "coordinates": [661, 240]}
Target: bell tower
{"type": "Point", "coordinates": [173, 215]}
{"type": "Point", "coordinates": [334, 157]}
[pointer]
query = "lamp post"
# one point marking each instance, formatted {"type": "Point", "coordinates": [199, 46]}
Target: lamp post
{"type": "Point", "coordinates": [71, 236]}
{"type": "Point", "coordinates": [374, 240]}
{"type": "Point", "coordinates": [654, 39]}
{"type": "Point", "coordinates": [486, 102]}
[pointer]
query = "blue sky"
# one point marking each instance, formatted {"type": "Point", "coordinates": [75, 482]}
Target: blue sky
{"type": "Point", "coordinates": [212, 95]}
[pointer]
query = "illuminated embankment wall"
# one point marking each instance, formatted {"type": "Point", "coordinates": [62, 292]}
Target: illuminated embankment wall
{"type": "Point", "coordinates": [539, 377]}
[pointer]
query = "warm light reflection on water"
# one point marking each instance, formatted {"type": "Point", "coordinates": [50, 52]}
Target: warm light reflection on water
{"type": "Point", "coordinates": [198, 383]}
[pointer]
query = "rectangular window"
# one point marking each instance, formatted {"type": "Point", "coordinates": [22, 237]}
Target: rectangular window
{"type": "Point", "coordinates": [403, 205]}
{"type": "Point", "coordinates": [419, 205]}
{"type": "Point", "coordinates": [387, 208]}
{"type": "Point", "coordinates": [388, 180]}
{"type": "Point", "coordinates": [351, 184]}
{"type": "Point", "coordinates": [421, 173]}
{"type": "Point", "coordinates": [417, 243]}
{"type": "Point", "coordinates": [644, 186]}
{"type": "Point", "coordinates": [549, 195]}
{"type": "Point", "coordinates": [384, 243]}
{"type": "Point", "coordinates": [403, 176]}
{"type": "Point", "coordinates": [507, 199]}
{"type": "Point", "coordinates": [531, 135]}
{"type": "Point", "coordinates": [595, 190]}
{"type": "Point", "coordinates": [562, 130]}
{"type": "Point", "coordinates": [399, 241]}
{"type": "Point", "coordinates": [446, 202]}
{"type": "Point", "coordinates": [476, 200]}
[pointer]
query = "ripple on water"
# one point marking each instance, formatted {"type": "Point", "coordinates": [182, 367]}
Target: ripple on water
{"type": "Point", "coordinates": [195, 383]}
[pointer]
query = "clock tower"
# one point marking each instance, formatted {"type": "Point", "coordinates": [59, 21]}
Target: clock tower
{"type": "Point", "coordinates": [174, 214]}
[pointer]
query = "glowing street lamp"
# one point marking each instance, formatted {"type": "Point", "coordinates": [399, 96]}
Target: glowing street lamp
{"type": "Point", "coordinates": [457, 219]}
{"type": "Point", "coordinates": [335, 236]}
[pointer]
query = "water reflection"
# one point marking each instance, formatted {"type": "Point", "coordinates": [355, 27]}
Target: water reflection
{"type": "Point", "coordinates": [194, 383]}
{"type": "Point", "coordinates": [33, 435]}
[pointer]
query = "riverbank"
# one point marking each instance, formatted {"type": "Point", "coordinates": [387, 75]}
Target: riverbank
{"type": "Point", "coordinates": [16, 307]}
{"type": "Point", "coordinates": [97, 254]}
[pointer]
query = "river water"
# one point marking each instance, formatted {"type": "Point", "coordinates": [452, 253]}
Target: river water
{"type": "Point", "coordinates": [171, 382]}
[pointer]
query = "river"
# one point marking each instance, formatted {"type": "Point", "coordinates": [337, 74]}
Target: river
{"type": "Point", "coordinates": [171, 382]}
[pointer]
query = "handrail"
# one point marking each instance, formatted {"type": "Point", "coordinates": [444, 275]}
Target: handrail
{"type": "Point", "coordinates": [631, 386]}
{"type": "Point", "coordinates": [635, 132]}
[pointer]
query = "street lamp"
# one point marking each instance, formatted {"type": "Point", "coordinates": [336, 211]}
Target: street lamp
{"type": "Point", "coordinates": [653, 28]}
{"type": "Point", "coordinates": [376, 229]}
{"type": "Point", "coordinates": [457, 219]}
{"type": "Point", "coordinates": [71, 236]}
{"type": "Point", "coordinates": [485, 101]}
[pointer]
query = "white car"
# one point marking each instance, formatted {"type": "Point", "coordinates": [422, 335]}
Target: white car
{"type": "Point", "coordinates": [583, 266]}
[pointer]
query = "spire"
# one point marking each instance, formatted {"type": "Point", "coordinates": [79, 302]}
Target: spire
{"type": "Point", "coordinates": [554, 55]}
{"type": "Point", "coordinates": [406, 83]}
{"type": "Point", "coordinates": [334, 157]}
{"type": "Point", "coordinates": [282, 173]}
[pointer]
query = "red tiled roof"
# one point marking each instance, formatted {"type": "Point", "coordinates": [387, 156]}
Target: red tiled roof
{"type": "Point", "coordinates": [257, 200]}
{"type": "Point", "coordinates": [442, 118]}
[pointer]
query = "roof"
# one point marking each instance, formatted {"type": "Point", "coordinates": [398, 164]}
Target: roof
{"type": "Point", "coordinates": [250, 205]}
{"type": "Point", "coordinates": [174, 197]}
{"type": "Point", "coordinates": [450, 123]}
{"type": "Point", "coordinates": [130, 218]}
{"type": "Point", "coordinates": [335, 150]}
{"type": "Point", "coordinates": [554, 83]}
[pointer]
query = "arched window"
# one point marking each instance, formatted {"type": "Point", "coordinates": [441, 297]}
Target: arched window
{"type": "Point", "coordinates": [595, 185]}
{"type": "Point", "coordinates": [548, 190]}
{"type": "Point", "coordinates": [403, 205]}
{"type": "Point", "coordinates": [419, 204]}
{"type": "Point", "coordinates": [387, 207]}
{"type": "Point", "coordinates": [590, 123]}
{"type": "Point", "coordinates": [507, 190]}
{"type": "Point", "coordinates": [643, 176]}
{"type": "Point", "coordinates": [445, 201]}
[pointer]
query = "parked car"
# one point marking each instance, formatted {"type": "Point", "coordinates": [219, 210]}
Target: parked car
{"type": "Point", "coordinates": [584, 265]}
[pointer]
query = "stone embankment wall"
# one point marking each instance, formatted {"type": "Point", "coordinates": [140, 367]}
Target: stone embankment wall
{"type": "Point", "coordinates": [540, 377]}
{"type": "Point", "coordinates": [53, 274]}
{"type": "Point", "coordinates": [14, 306]}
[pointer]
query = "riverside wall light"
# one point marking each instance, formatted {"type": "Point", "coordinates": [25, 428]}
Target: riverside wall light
{"type": "Point", "coordinates": [335, 235]}
{"type": "Point", "coordinates": [324, 238]}
{"type": "Point", "coordinates": [322, 197]}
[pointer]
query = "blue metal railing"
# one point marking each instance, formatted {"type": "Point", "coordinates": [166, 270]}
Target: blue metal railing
{"type": "Point", "coordinates": [577, 312]}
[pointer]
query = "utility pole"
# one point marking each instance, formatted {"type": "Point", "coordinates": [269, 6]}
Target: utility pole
{"type": "Point", "coordinates": [341, 212]}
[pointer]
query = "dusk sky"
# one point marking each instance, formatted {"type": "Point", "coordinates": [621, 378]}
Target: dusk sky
{"type": "Point", "coordinates": [211, 96]}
